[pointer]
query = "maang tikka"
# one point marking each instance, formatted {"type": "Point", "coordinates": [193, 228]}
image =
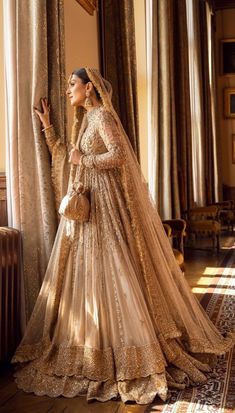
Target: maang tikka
{"type": "Point", "coordinates": [88, 101]}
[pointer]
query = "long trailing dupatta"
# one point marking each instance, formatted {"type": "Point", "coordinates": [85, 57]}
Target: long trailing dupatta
{"type": "Point", "coordinates": [176, 311]}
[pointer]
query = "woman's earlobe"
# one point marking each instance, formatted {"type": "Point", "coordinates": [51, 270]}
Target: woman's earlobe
{"type": "Point", "coordinates": [90, 85]}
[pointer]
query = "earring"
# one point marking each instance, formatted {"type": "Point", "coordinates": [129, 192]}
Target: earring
{"type": "Point", "coordinates": [88, 102]}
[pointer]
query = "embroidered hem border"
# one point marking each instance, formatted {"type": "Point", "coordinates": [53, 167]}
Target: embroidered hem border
{"type": "Point", "coordinates": [122, 363]}
{"type": "Point", "coordinates": [142, 390]}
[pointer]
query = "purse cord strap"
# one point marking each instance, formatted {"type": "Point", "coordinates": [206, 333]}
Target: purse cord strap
{"type": "Point", "coordinates": [80, 172]}
{"type": "Point", "coordinates": [78, 178]}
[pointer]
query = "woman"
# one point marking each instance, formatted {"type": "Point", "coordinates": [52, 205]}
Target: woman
{"type": "Point", "coordinates": [114, 316]}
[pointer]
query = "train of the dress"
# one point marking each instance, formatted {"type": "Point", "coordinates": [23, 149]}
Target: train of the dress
{"type": "Point", "coordinates": [134, 374]}
{"type": "Point", "coordinates": [141, 391]}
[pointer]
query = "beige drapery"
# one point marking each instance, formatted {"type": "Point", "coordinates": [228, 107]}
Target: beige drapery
{"type": "Point", "coordinates": [203, 103]}
{"type": "Point", "coordinates": [207, 38]}
{"type": "Point", "coordinates": [183, 149]}
{"type": "Point", "coordinates": [118, 62]}
{"type": "Point", "coordinates": [33, 36]}
{"type": "Point", "coordinates": [169, 107]}
{"type": "Point", "coordinates": [196, 100]}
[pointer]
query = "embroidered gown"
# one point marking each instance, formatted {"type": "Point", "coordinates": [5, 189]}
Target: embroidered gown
{"type": "Point", "coordinates": [99, 327]}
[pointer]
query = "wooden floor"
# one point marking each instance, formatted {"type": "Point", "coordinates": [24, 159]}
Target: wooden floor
{"type": "Point", "coordinates": [200, 262]}
{"type": "Point", "coordinates": [199, 266]}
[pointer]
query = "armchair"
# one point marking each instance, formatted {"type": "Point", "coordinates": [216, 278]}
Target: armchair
{"type": "Point", "coordinates": [204, 221]}
{"type": "Point", "coordinates": [227, 213]}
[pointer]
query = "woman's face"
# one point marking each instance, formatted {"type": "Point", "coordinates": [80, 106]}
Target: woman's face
{"type": "Point", "coordinates": [76, 91]}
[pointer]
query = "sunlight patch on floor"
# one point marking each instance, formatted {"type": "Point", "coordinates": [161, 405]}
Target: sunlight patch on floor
{"type": "Point", "coordinates": [221, 277]}
{"type": "Point", "coordinates": [216, 280]}
{"type": "Point", "coordinates": [219, 271]}
{"type": "Point", "coordinates": [203, 290]}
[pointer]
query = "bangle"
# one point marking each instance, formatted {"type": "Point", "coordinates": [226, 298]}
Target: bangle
{"type": "Point", "coordinates": [48, 127]}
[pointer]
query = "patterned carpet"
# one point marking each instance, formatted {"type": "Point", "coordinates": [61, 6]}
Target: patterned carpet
{"type": "Point", "coordinates": [218, 394]}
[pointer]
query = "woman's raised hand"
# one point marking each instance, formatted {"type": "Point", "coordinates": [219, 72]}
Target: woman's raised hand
{"type": "Point", "coordinates": [45, 115]}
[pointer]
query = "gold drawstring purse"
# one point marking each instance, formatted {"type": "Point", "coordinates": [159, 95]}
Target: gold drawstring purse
{"type": "Point", "coordinates": [76, 204]}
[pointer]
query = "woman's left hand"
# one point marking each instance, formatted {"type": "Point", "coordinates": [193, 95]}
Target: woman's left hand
{"type": "Point", "coordinates": [75, 156]}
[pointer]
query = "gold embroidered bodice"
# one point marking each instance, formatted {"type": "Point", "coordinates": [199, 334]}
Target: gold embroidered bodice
{"type": "Point", "coordinates": [100, 142]}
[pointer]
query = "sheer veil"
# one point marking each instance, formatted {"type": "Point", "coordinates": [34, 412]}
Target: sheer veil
{"type": "Point", "coordinates": [174, 309]}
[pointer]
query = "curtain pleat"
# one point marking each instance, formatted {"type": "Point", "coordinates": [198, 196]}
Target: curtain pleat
{"type": "Point", "coordinates": [118, 62]}
{"type": "Point", "coordinates": [196, 100]}
{"type": "Point", "coordinates": [208, 93]}
{"type": "Point", "coordinates": [33, 36]}
{"type": "Point", "coordinates": [182, 107]}
{"type": "Point", "coordinates": [217, 143]}
{"type": "Point", "coordinates": [203, 102]}
{"type": "Point", "coordinates": [170, 129]}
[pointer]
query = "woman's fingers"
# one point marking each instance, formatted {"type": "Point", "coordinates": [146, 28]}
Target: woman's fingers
{"type": "Point", "coordinates": [45, 108]}
{"type": "Point", "coordinates": [43, 115]}
{"type": "Point", "coordinates": [37, 111]}
{"type": "Point", "coordinates": [45, 105]}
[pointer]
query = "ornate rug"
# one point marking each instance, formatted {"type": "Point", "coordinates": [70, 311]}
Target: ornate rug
{"type": "Point", "coordinates": [218, 394]}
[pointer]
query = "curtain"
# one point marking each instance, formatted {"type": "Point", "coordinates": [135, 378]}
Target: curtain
{"type": "Point", "coordinates": [118, 62]}
{"type": "Point", "coordinates": [182, 107]}
{"type": "Point", "coordinates": [216, 141]}
{"type": "Point", "coordinates": [34, 63]}
{"type": "Point", "coordinates": [207, 38]}
{"type": "Point", "coordinates": [203, 103]}
{"type": "Point", "coordinates": [169, 107]}
{"type": "Point", "coordinates": [196, 99]}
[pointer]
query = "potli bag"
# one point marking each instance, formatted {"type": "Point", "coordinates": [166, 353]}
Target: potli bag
{"type": "Point", "coordinates": [76, 205]}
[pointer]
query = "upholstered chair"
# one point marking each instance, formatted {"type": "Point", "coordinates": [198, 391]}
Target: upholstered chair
{"type": "Point", "coordinates": [227, 213]}
{"type": "Point", "coordinates": [204, 222]}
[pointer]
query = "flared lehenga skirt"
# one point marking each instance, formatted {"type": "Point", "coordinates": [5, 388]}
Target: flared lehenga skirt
{"type": "Point", "coordinates": [95, 329]}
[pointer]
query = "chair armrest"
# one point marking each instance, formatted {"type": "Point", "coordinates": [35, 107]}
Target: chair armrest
{"type": "Point", "coordinates": [167, 229]}
{"type": "Point", "coordinates": [178, 231]}
{"type": "Point", "coordinates": [177, 225]}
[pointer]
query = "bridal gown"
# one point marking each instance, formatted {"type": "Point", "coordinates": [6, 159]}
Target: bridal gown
{"type": "Point", "coordinates": [114, 317]}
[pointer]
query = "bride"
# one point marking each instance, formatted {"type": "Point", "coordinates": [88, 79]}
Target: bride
{"type": "Point", "coordinates": [114, 317]}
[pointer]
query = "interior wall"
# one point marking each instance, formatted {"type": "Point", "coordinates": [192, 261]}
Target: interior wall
{"type": "Point", "coordinates": [2, 103]}
{"type": "Point", "coordinates": [140, 34]}
{"type": "Point", "coordinates": [225, 29]}
{"type": "Point", "coordinates": [81, 42]}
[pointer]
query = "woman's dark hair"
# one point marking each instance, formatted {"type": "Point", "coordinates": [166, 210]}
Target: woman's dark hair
{"type": "Point", "coordinates": [82, 74]}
